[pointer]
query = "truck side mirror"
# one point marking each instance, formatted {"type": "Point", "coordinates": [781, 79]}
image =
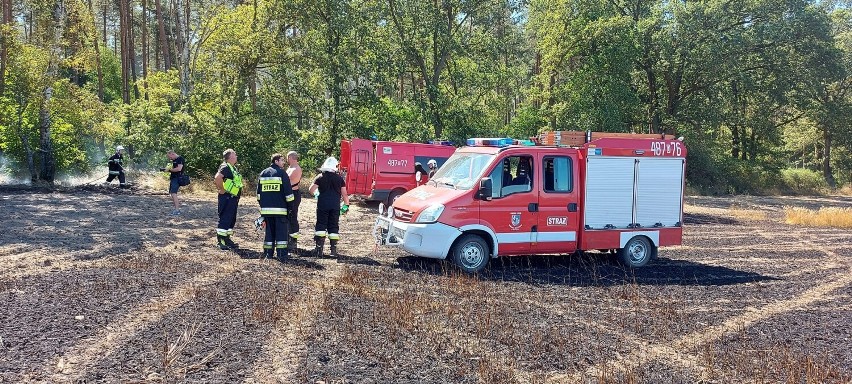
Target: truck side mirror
{"type": "Point", "coordinates": [485, 189]}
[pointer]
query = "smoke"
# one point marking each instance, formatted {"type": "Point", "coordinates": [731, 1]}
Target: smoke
{"type": "Point", "coordinates": [7, 173]}
{"type": "Point", "coordinates": [73, 180]}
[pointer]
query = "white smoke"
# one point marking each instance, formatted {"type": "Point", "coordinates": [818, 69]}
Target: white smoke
{"type": "Point", "coordinates": [7, 173]}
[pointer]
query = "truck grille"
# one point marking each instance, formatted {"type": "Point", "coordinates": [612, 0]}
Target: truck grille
{"type": "Point", "coordinates": [402, 215]}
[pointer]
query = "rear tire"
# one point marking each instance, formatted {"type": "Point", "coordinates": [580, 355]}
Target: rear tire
{"type": "Point", "coordinates": [470, 253]}
{"type": "Point", "coordinates": [637, 252]}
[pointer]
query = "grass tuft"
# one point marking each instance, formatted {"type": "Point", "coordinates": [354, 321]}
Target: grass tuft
{"type": "Point", "coordinates": [824, 217]}
{"type": "Point", "coordinates": [744, 214]}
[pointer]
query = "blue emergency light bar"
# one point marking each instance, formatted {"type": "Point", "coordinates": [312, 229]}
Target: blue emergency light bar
{"type": "Point", "coordinates": [490, 142]}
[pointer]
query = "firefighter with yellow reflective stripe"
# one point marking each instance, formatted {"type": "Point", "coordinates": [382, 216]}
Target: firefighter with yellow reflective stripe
{"type": "Point", "coordinates": [329, 188]}
{"type": "Point", "coordinates": [274, 194]}
{"type": "Point", "coordinates": [115, 167]}
{"type": "Point", "coordinates": [229, 182]}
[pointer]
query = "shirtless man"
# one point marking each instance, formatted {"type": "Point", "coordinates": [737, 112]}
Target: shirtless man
{"type": "Point", "coordinates": [294, 171]}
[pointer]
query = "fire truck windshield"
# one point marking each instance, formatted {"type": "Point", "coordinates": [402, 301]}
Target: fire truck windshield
{"type": "Point", "coordinates": [462, 170]}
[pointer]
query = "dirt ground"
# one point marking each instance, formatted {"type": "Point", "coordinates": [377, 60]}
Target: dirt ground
{"type": "Point", "coordinates": [101, 285]}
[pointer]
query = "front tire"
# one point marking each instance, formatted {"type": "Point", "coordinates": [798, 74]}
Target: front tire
{"type": "Point", "coordinates": [395, 194]}
{"type": "Point", "coordinates": [637, 252]}
{"type": "Point", "coordinates": [470, 253]}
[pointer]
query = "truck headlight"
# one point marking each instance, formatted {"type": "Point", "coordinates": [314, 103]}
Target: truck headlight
{"type": "Point", "coordinates": [431, 214]}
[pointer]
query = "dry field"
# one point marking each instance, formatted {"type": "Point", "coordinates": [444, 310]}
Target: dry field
{"type": "Point", "coordinates": [100, 285]}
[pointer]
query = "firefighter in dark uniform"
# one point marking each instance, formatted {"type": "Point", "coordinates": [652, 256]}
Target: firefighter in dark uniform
{"type": "Point", "coordinates": [229, 183]}
{"type": "Point", "coordinates": [329, 188]}
{"type": "Point", "coordinates": [294, 172]}
{"type": "Point", "coordinates": [115, 167]}
{"type": "Point", "coordinates": [274, 194]}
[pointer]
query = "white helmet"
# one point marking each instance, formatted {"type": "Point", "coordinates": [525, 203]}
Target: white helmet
{"type": "Point", "coordinates": [432, 162]}
{"type": "Point", "coordinates": [330, 165]}
{"type": "Point", "coordinates": [119, 148]}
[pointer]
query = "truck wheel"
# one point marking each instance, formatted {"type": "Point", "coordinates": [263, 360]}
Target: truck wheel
{"type": "Point", "coordinates": [470, 253]}
{"type": "Point", "coordinates": [637, 252]}
{"type": "Point", "coordinates": [395, 194]}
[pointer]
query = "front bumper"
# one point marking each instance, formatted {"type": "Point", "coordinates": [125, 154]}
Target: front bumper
{"type": "Point", "coordinates": [425, 240]}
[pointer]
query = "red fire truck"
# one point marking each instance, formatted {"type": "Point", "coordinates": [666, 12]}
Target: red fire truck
{"type": "Point", "coordinates": [384, 170]}
{"type": "Point", "coordinates": [492, 199]}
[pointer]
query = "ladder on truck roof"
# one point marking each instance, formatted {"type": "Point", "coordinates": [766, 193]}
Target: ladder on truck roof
{"type": "Point", "coordinates": [578, 138]}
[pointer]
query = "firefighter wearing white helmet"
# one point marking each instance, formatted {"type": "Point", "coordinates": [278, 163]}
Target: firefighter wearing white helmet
{"type": "Point", "coordinates": [329, 188]}
{"type": "Point", "coordinates": [433, 167]}
{"type": "Point", "coordinates": [116, 170]}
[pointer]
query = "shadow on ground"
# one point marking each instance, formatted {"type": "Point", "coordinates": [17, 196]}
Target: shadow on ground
{"type": "Point", "coordinates": [590, 269]}
{"type": "Point", "coordinates": [700, 218]}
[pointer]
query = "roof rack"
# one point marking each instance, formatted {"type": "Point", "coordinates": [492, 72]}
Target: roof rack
{"type": "Point", "coordinates": [578, 138]}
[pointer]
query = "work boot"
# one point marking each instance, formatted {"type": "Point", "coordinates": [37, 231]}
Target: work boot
{"type": "Point", "coordinates": [318, 248]}
{"type": "Point", "coordinates": [292, 244]}
{"type": "Point", "coordinates": [282, 254]}
{"type": "Point", "coordinates": [230, 243]}
{"type": "Point", "coordinates": [268, 253]}
{"type": "Point", "coordinates": [220, 241]}
{"type": "Point", "coordinates": [333, 248]}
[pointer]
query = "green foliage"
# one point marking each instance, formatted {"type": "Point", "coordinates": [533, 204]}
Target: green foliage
{"type": "Point", "coordinates": [756, 87]}
{"type": "Point", "coordinates": [803, 181]}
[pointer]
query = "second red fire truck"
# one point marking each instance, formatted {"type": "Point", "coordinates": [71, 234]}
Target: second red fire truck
{"type": "Point", "coordinates": [384, 170]}
{"type": "Point", "coordinates": [494, 199]}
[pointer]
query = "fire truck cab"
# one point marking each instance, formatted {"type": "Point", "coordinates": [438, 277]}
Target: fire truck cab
{"type": "Point", "coordinates": [493, 199]}
{"type": "Point", "coordinates": [384, 170]}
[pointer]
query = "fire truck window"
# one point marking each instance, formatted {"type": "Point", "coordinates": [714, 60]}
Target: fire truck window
{"type": "Point", "coordinates": [557, 174]}
{"type": "Point", "coordinates": [513, 175]}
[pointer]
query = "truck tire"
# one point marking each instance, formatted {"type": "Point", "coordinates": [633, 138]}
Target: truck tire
{"type": "Point", "coordinates": [637, 252]}
{"type": "Point", "coordinates": [470, 253]}
{"type": "Point", "coordinates": [395, 194]}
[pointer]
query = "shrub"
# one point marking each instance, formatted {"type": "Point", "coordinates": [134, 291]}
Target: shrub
{"type": "Point", "coordinates": [803, 181]}
{"type": "Point", "coordinates": [824, 217]}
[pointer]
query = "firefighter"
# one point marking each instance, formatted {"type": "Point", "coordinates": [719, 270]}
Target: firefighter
{"type": "Point", "coordinates": [433, 167]}
{"type": "Point", "coordinates": [229, 183]}
{"type": "Point", "coordinates": [274, 194]}
{"type": "Point", "coordinates": [294, 172]}
{"type": "Point", "coordinates": [115, 167]}
{"type": "Point", "coordinates": [419, 172]}
{"type": "Point", "coordinates": [329, 188]}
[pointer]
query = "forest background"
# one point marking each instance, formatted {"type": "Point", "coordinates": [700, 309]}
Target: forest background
{"type": "Point", "coordinates": [759, 89]}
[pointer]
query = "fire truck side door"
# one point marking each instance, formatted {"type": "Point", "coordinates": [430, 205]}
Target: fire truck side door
{"type": "Point", "coordinates": [359, 175]}
{"type": "Point", "coordinates": [512, 211]}
{"type": "Point", "coordinates": [558, 219]}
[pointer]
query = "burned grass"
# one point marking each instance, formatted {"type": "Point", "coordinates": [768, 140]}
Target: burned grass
{"type": "Point", "coordinates": [103, 286]}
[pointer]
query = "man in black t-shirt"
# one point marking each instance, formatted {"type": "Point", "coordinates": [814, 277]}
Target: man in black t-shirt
{"type": "Point", "coordinates": [175, 172]}
{"type": "Point", "coordinates": [329, 188]}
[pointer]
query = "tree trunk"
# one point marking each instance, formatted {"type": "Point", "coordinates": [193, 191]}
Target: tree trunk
{"type": "Point", "coordinates": [98, 60]}
{"type": "Point", "coordinates": [182, 39]}
{"type": "Point", "coordinates": [4, 53]}
{"type": "Point", "coordinates": [145, 47]}
{"type": "Point", "coordinates": [735, 141]}
{"type": "Point", "coordinates": [164, 43]}
{"type": "Point", "coordinates": [105, 23]}
{"type": "Point", "coordinates": [131, 51]}
{"type": "Point", "coordinates": [826, 158]}
{"type": "Point", "coordinates": [125, 57]}
{"type": "Point", "coordinates": [48, 160]}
